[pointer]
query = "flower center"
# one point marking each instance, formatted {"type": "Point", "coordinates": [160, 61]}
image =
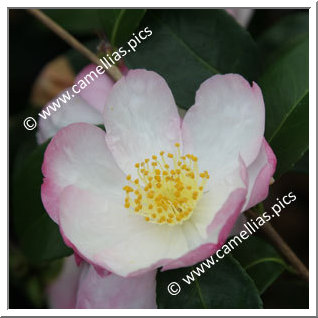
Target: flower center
{"type": "Point", "coordinates": [168, 188]}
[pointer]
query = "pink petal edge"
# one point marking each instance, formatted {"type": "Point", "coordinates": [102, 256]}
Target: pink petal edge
{"type": "Point", "coordinates": [97, 91]}
{"type": "Point", "coordinates": [261, 184]}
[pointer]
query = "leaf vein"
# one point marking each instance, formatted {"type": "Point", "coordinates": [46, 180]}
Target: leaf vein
{"type": "Point", "coordinates": [189, 49]}
{"type": "Point", "coordinates": [288, 114]}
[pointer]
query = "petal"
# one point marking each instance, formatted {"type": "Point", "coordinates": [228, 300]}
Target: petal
{"type": "Point", "coordinates": [219, 209]}
{"type": "Point", "coordinates": [116, 292]}
{"type": "Point", "coordinates": [62, 293]}
{"type": "Point", "coordinates": [78, 155]}
{"type": "Point", "coordinates": [141, 118]}
{"type": "Point", "coordinates": [112, 237]}
{"type": "Point", "coordinates": [75, 111]}
{"type": "Point", "coordinates": [260, 173]}
{"type": "Point", "coordinates": [241, 15]}
{"type": "Point", "coordinates": [239, 225]}
{"type": "Point", "coordinates": [226, 121]}
{"type": "Point", "coordinates": [228, 215]}
{"type": "Point", "coordinates": [98, 89]}
{"type": "Point", "coordinates": [116, 239]}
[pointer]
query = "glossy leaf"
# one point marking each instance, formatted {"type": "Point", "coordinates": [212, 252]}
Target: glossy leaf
{"type": "Point", "coordinates": [188, 46]}
{"type": "Point", "coordinates": [302, 165]}
{"type": "Point", "coordinates": [224, 285]}
{"type": "Point", "coordinates": [78, 21]}
{"type": "Point", "coordinates": [282, 34]}
{"type": "Point", "coordinates": [125, 23]}
{"type": "Point", "coordinates": [285, 89]}
{"type": "Point", "coordinates": [261, 261]}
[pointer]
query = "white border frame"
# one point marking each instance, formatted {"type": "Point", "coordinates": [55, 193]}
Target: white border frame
{"type": "Point", "coordinates": [312, 158]}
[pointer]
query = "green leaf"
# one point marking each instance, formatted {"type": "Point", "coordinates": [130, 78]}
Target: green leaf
{"type": "Point", "coordinates": [224, 285]}
{"type": "Point", "coordinates": [282, 34]}
{"type": "Point", "coordinates": [78, 21]}
{"type": "Point", "coordinates": [126, 22]}
{"type": "Point", "coordinates": [285, 90]}
{"type": "Point", "coordinates": [259, 208]}
{"type": "Point", "coordinates": [302, 166]}
{"type": "Point", "coordinates": [260, 260]}
{"type": "Point", "coordinates": [38, 235]}
{"type": "Point", "coordinates": [188, 46]}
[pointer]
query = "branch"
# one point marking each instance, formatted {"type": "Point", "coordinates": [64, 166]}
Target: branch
{"type": "Point", "coordinates": [113, 71]}
{"type": "Point", "coordinates": [282, 246]}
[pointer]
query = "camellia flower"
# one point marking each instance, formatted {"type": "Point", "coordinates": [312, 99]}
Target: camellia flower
{"type": "Point", "coordinates": [86, 107]}
{"type": "Point", "coordinates": [155, 190]}
{"type": "Point", "coordinates": [81, 287]}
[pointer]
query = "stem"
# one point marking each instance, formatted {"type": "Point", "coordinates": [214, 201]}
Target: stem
{"type": "Point", "coordinates": [113, 71]}
{"type": "Point", "coordinates": [282, 246]}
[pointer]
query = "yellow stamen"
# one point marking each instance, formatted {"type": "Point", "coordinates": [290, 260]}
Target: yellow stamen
{"type": "Point", "coordinates": [167, 188]}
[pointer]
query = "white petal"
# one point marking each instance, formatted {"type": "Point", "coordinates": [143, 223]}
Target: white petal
{"type": "Point", "coordinates": [226, 121]}
{"type": "Point", "coordinates": [62, 292]}
{"type": "Point", "coordinates": [78, 155]}
{"type": "Point", "coordinates": [116, 292]}
{"type": "Point", "coordinates": [260, 173]}
{"type": "Point", "coordinates": [122, 242]}
{"type": "Point", "coordinates": [75, 110]}
{"type": "Point", "coordinates": [141, 118]}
